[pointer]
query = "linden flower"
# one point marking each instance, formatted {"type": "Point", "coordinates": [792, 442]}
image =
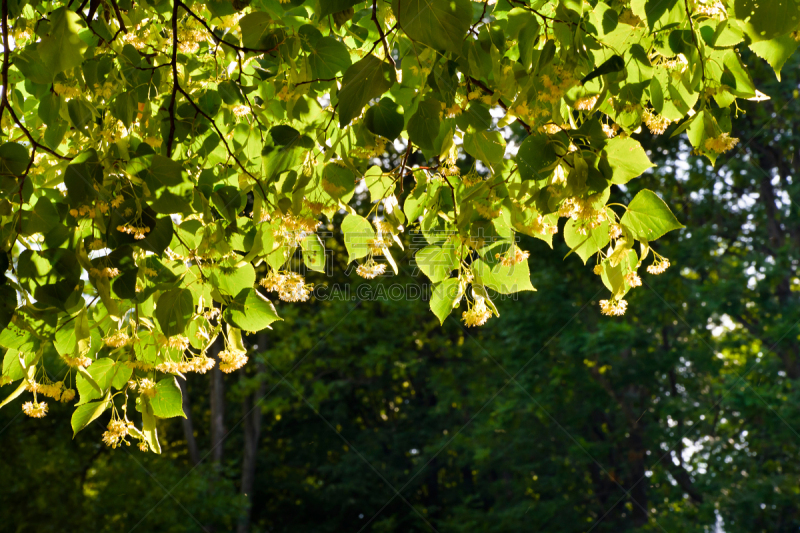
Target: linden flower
{"type": "Point", "coordinates": [586, 104]}
{"type": "Point", "coordinates": [657, 124]}
{"type": "Point", "coordinates": [231, 360]}
{"type": "Point", "coordinates": [294, 288]}
{"type": "Point", "coordinates": [472, 178]}
{"type": "Point", "coordinates": [613, 307]}
{"type": "Point", "coordinates": [35, 410]}
{"type": "Point", "coordinates": [107, 272]}
{"type": "Point", "coordinates": [201, 364]}
{"type": "Point", "coordinates": [721, 144]}
{"type": "Point", "coordinates": [177, 342]}
{"type": "Point", "coordinates": [147, 387]}
{"type": "Point", "coordinates": [241, 110]}
{"type": "Point", "coordinates": [518, 257]}
{"type": "Point", "coordinates": [117, 431]}
{"type": "Point", "coordinates": [598, 269]}
{"type": "Point", "coordinates": [117, 340]}
{"type": "Point", "coordinates": [615, 231]}
{"type": "Point", "coordinates": [477, 315]}
{"type": "Point", "coordinates": [137, 232]}
{"type": "Point", "coordinates": [68, 395]}
{"type": "Point", "coordinates": [78, 361]}
{"type": "Point", "coordinates": [52, 390]}
{"type": "Point", "coordinates": [661, 264]}
{"type": "Point", "coordinates": [610, 131]}
{"type": "Point", "coordinates": [633, 279]}
{"type": "Point", "coordinates": [371, 269]}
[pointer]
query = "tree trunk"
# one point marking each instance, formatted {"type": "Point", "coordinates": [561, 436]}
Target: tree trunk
{"type": "Point", "coordinates": [217, 406]}
{"type": "Point", "coordinates": [252, 436]}
{"type": "Point", "coordinates": [188, 428]}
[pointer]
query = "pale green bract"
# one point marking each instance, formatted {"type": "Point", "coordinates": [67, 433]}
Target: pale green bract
{"type": "Point", "coordinates": [165, 164]}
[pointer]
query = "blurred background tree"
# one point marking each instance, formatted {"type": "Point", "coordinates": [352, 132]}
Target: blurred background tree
{"type": "Point", "coordinates": [680, 416]}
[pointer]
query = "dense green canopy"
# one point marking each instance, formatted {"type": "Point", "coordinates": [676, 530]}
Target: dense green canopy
{"type": "Point", "coordinates": [166, 164]}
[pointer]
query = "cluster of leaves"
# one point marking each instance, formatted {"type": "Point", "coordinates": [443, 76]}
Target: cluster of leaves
{"type": "Point", "coordinates": [160, 156]}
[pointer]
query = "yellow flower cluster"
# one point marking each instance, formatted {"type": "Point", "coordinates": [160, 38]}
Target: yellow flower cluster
{"type": "Point", "coordinates": [78, 361]}
{"type": "Point", "coordinates": [721, 144]}
{"type": "Point", "coordinates": [610, 131]}
{"type": "Point", "coordinates": [176, 342]}
{"type": "Point", "coordinates": [472, 178]}
{"type": "Point", "coordinates": [105, 91]}
{"type": "Point", "coordinates": [137, 41]}
{"type": "Point", "coordinates": [554, 91]}
{"type": "Point", "coordinates": [538, 225]}
{"type": "Point", "coordinates": [477, 315]}
{"type": "Point", "coordinates": [291, 287]}
{"type": "Point", "coordinates": [510, 260]}
{"type": "Point", "coordinates": [66, 91]}
{"type": "Point", "coordinates": [657, 124]}
{"type": "Point", "coordinates": [146, 386]}
{"type": "Point", "coordinates": [117, 432]}
{"type": "Point", "coordinates": [117, 340]}
{"type": "Point", "coordinates": [614, 231]}
{"type": "Point", "coordinates": [241, 110]}
{"type": "Point", "coordinates": [200, 364]}
{"type": "Point", "coordinates": [659, 266]}
{"type": "Point", "coordinates": [586, 104]}
{"type": "Point", "coordinates": [613, 307]}
{"type": "Point", "coordinates": [580, 209]}
{"type": "Point", "coordinates": [35, 410]}
{"type": "Point", "coordinates": [370, 269]}
{"type": "Point", "coordinates": [189, 40]}
{"type": "Point", "coordinates": [138, 232]}
{"type": "Point", "coordinates": [51, 390]}
{"type": "Point", "coordinates": [83, 211]}
{"type": "Point", "coordinates": [107, 272]}
{"type": "Point", "coordinates": [231, 360]}
{"type": "Point", "coordinates": [97, 244]}
{"type": "Point", "coordinates": [633, 279]}
{"type": "Point", "coordinates": [710, 9]}
{"type": "Point", "coordinates": [376, 149]}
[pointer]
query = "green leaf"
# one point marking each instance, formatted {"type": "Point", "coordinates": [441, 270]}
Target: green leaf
{"type": "Point", "coordinates": [423, 126]}
{"type": "Point", "coordinates": [775, 51]}
{"type": "Point", "coordinates": [313, 252]}
{"type": "Point", "coordinates": [363, 81]}
{"type": "Point", "coordinates": [99, 377]}
{"type": "Point", "coordinates": [648, 217]}
{"type": "Point", "coordinates": [167, 182]}
{"type": "Point", "coordinates": [437, 261]}
{"type": "Point", "coordinates": [62, 49]}
{"type": "Point", "coordinates": [358, 233]}
{"type": "Point", "coordinates": [167, 401]}
{"type": "Point", "coordinates": [329, 7]}
{"type": "Point", "coordinates": [536, 157]}
{"type": "Point", "coordinates": [445, 297]}
{"type": "Point", "coordinates": [250, 311]}
{"type": "Point", "coordinates": [442, 25]}
{"type": "Point", "coordinates": [174, 310]}
{"type": "Point", "coordinates": [150, 431]}
{"type": "Point", "coordinates": [766, 20]}
{"type": "Point", "coordinates": [88, 413]}
{"type": "Point", "coordinates": [503, 279]}
{"type": "Point", "coordinates": [255, 27]}
{"type": "Point", "coordinates": [384, 120]}
{"type": "Point", "coordinates": [586, 245]}
{"type": "Point", "coordinates": [488, 146]}
{"type": "Point", "coordinates": [623, 159]}
{"type": "Point", "coordinates": [380, 185]}
{"type": "Point", "coordinates": [14, 159]}
{"type": "Point", "coordinates": [328, 58]}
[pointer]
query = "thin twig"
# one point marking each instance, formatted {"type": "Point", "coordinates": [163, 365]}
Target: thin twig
{"type": "Point", "coordinates": [174, 64]}
{"type": "Point", "coordinates": [500, 102]}
{"type": "Point", "coordinates": [380, 32]}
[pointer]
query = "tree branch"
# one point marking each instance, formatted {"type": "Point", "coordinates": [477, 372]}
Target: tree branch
{"type": "Point", "coordinates": [383, 35]}
{"type": "Point", "coordinates": [503, 105]}
{"type": "Point", "coordinates": [175, 85]}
